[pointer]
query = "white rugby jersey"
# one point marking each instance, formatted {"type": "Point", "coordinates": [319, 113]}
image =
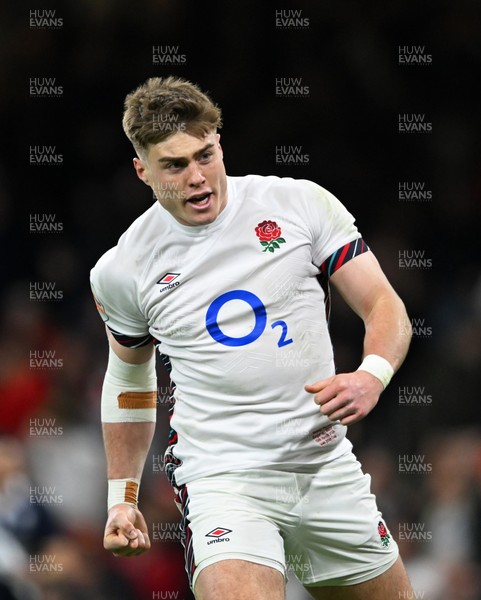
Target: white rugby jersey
{"type": "Point", "coordinates": [239, 307]}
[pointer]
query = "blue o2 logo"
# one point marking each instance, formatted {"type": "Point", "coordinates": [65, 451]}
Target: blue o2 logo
{"type": "Point", "coordinates": [260, 314]}
{"type": "Point", "coordinates": [213, 312]}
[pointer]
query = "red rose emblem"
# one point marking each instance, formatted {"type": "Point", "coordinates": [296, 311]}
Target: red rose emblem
{"type": "Point", "coordinates": [267, 231]}
{"type": "Point", "coordinates": [383, 534]}
{"type": "Point", "coordinates": [269, 234]}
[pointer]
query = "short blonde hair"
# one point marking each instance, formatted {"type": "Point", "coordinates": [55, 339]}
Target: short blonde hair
{"type": "Point", "coordinates": [162, 106]}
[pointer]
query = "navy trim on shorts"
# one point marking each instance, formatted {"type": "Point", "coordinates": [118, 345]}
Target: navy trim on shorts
{"type": "Point", "coordinates": [186, 533]}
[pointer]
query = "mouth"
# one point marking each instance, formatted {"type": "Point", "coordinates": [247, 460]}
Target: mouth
{"type": "Point", "coordinates": [200, 200]}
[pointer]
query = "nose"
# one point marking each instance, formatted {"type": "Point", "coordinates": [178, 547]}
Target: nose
{"type": "Point", "coordinates": [195, 176]}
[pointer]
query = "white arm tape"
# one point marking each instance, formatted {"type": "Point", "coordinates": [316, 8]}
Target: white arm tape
{"type": "Point", "coordinates": [129, 393]}
{"type": "Point", "coordinates": [377, 366]}
{"type": "Point", "coordinates": [123, 491]}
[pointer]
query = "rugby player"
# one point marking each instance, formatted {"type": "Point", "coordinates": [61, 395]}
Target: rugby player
{"type": "Point", "coordinates": [228, 278]}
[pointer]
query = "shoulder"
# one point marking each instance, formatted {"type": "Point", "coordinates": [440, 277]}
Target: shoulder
{"type": "Point", "coordinates": [134, 248]}
{"type": "Point", "coordinates": [144, 233]}
{"type": "Point", "coordinates": [272, 183]}
{"type": "Point", "coordinates": [116, 276]}
{"type": "Point", "coordinates": [299, 194]}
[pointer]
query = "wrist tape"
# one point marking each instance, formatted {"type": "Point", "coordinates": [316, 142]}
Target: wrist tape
{"type": "Point", "coordinates": [123, 491]}
{"type": "Point", "coordinates": [377, 366]}
{"type": "Point", "coordinates": [129, 392]}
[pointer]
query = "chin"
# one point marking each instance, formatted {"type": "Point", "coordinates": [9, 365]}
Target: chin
{"type": "Point", "coordinates": [207, 220]}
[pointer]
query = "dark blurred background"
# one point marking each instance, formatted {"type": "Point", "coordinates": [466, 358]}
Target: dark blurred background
{"type": "Point", "coordinates": [385, 115]}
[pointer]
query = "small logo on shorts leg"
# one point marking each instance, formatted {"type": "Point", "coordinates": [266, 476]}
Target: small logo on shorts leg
{"type": "Point", "coordinates": [383, 534]}
{"type": "Point", "coordinates": [219, 534]}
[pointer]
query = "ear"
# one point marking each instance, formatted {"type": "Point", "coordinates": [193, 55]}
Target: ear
{"type": "Point", "coordinates": [142, 170]}
{"type": "Point", "coordinates": [217, 137]}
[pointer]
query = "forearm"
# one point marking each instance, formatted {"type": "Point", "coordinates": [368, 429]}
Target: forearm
{"type": "Point", "coordinates": [365, 288]}
{"type": "Point", "coordinates": [128, 409]}
{"type": "Point", "coordinates": [388, 330]}
{"type": "Point", "coordinates": [126, 447]}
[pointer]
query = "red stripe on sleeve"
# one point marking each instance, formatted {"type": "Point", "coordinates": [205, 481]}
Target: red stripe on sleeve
{"type": "Point", "coordinates": [341, 258]}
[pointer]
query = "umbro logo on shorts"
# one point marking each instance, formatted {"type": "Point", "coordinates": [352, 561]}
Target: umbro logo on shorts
{"type": "Point", "coordinates": [218, 533]}
{"type": "Point", "coordinates": [166, 282]}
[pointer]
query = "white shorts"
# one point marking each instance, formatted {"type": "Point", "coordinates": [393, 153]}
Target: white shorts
{"type": "Point", "coordinates": [324, 527]}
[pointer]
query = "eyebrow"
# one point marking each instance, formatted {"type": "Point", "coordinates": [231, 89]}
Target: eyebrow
{"type": "Point", "coordinates": [166, 159]}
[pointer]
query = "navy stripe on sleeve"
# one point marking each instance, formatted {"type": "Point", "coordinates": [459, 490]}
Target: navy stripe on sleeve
{"type": "Point", "coordinates": [131, 342]}
{"type": "Point", "coordinates": [342, 256]}
{"type": "Point", "coordinates": [333, 263]}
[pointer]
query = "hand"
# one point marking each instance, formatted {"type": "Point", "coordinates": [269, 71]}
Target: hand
{"type": "Point", "coordinates": [347, 397]}
{"type": "Point", "coordinates": [126, 532]}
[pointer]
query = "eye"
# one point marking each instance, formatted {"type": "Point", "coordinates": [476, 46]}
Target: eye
{"type": "Point", "coordinates": [206, 156]}
{"type": "Point", "coordinates": [174, 166]}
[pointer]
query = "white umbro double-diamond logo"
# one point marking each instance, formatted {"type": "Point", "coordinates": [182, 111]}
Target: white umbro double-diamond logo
{"type": "Point", "coordinates": [167, 282]}
{"type": "Point", "coordinates": [218, 532]}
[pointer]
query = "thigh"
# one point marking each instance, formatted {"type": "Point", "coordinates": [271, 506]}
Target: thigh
{"type": "Point", "coordinates": [239, 580]}
{"type": "Point", "coordinates": [393, 584]}
{"type": "Point", "coordinates": [341, 539]}
{"type": "Point", "coordinates": [224, 522]}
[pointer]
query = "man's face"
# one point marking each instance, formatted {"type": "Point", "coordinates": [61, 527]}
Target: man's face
{"type": "Point", "coordinates": [187, 176]}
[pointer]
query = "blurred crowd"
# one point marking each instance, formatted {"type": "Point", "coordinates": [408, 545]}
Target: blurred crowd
{"type": "Point", "coordinates": [53, 350]}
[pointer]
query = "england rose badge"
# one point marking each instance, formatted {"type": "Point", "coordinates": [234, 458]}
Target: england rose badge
{"type": "Point", "coordinates": [269, 234]}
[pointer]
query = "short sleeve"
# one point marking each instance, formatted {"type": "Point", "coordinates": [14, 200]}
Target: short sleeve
{"type": "Point", "coordinates": [114, 286]}
{"type": "Point", "coordinates": [343, 255]}
{"type": "Point", "coordinates": [331, 225]}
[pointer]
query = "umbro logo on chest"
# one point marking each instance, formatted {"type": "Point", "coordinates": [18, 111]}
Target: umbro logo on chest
{"type": "Point", "coordinates": [167, 282]}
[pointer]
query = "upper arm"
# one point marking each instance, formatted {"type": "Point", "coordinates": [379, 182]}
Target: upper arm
{"type": "Point", "coordinates": [135, 356]}
{"type": "Point", "coordinates": [114, 286]}
{"type": "Point", "coordinates": [114, 282]}
{"type": "Point", "coordinates": [362, 283]}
